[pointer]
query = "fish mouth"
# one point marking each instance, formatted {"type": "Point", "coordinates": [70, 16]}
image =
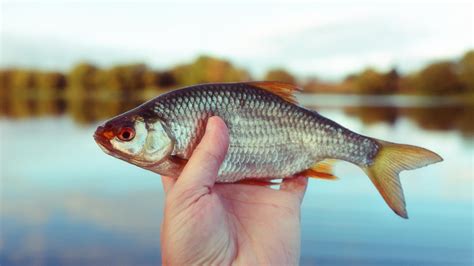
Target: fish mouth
{"type": "Point", "coordinates": [103, 142]}
{"type": "Point", "coordinates": [102, 137]}
{"type": "Point", "coordinates": [105, 145]}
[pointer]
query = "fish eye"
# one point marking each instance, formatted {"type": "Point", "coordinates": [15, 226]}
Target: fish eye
{"type": "Point", "coordinates": [126, 134]}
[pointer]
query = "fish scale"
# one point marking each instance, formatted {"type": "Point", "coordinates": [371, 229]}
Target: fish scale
{"type": "Point", "coordinates": [269, 137]}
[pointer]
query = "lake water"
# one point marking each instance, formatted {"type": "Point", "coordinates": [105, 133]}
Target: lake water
{"type": "Point", "coordinates": [64, 202]}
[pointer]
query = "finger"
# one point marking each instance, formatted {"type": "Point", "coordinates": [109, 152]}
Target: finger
{"type": "Point", "coordinates": [295, 185]}
{"type": "Point", "coordinates": [203, 166]}
{"type": "Point", "coordinates": [168, 183]}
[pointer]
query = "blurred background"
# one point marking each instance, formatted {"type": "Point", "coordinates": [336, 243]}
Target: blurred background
{"type": "Point", "coordinates": [402, 72]}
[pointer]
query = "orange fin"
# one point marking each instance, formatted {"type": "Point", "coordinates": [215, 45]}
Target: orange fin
{"type": "Point", "coordinates": [322, 169]}
{"type": "Point", "coordinates": [258, 182]}
{"type": "Point", "coordinates": [389, 161]}
{"type": "Point", "coordinates": [282, 89]}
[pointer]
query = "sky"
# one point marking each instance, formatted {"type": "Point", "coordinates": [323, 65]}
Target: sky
{"type": "Point", "coordinates": [309, 39]}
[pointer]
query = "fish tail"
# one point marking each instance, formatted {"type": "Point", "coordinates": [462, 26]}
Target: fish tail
{"type": "Point", "coordinates": [389, 161]}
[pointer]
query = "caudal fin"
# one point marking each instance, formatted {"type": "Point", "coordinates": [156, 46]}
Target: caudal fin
{"type": "Point", "coordinates": [390, 160]}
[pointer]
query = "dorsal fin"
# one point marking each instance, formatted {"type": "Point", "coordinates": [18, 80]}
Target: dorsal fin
{"type": "Point", "coordinates": [282, 89]}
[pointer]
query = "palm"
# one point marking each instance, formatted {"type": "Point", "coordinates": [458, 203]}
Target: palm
{"type": "Point", "coordinates": [266, 223]}
{"type": "Point", "coordinates": [209, 223]}
{"type": "Point", "coordinates": [238, 223]}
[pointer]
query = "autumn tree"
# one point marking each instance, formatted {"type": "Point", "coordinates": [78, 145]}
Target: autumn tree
{"type": "Point", "coordinates": [208, 69]}
{"type": "Point", "coordinates": [280, 75]}
{"type": "Point", "coordinates": [151, 79]}
{"type": "Point", "coordinates": [54, 81]}
{"type": "Point", "coordinates": [83, 79]}
{"type": "Point", "coordinates": [438, 78]}
{"type": "Point", "coordinates": [167, 79]}
{"type": "Point", "coordinates": [5, 82]}
{"type": "Point", "coordinates": [370, 81]}
{"type": "Point", "coordinates": [156, 79]}
{"type": "Point", "coordinates": [466, 71]}
{"type": "Point", "coordinates": [22, 81]}
{"type": "Point", "coordinates": [311, 85]}
{"type": "Point", "coordinates": [392, 81]}
{"type": "Point", "coordinates": [126, 78]}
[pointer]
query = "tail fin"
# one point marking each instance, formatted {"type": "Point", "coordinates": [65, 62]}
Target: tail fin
{"type": "Point", "coordinates": [390, 160]}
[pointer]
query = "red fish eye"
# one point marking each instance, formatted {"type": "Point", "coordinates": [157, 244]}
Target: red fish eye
{"type": "Point", "coordinates": [126, 134]}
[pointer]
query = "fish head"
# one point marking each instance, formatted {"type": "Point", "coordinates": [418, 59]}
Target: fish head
{"type": "Point", "coordinates": [143, 142]}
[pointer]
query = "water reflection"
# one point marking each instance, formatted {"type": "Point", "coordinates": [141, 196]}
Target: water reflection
{"type": "Point", "coordinates": [372, 115]}
{"type": "Point", "coordinates": [90, 108]}
{"type": "Point", "coordinates": [458, 118]}
{"type": "Point", "coordinates": [63, 202]}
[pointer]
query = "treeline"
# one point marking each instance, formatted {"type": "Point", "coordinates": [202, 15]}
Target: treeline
{"type": "Point", "coordinates": [131, 80]}
{"type": "Point", "coordinates": [438, 78]}
{"type": "Point", "coordinates": [138, 80]}
{"type": "Point", "coordinates": [89, 93]}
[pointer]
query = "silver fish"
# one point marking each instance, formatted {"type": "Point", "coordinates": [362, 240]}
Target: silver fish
{"type": "Point", "coordinates": [270, 137]}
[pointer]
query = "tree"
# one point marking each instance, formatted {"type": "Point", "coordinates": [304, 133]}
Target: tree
{"type": "Point", "coordinates": [466, 71]}
{"type": "Point", "coordinates": [51, 80]}
{"type": "Point", "coordinates": [374, 82]}
{"type": "Point", "coordinates": [167, 79]}
{"type": "Point", "coordinates": [370, 81]}
{"type": "Point", "coordinates": [280, 75]}
{"type": "Point", "coordinates": [311, 85]}
{"type": "Point", "coordinates": [126, 78]}
{"type": "Point", "coordinates": [5, 82]}
{"type": "Point", "coordinates": [392, 81]}
{"type": "Point", "coordinates": [438, 78]}
{"type": "Point", "coordinates": [208, 69]}
{"type": "Point", "coordinates": [5, 88]}
{"type": "Point", "coordinates": [156, 79]}
{"type": "Point", "coordinates": [84, 78]}
{"type": "Point", "coordinates": [151, 79]}
{"type": "Point", "coordinates": [22, 80]}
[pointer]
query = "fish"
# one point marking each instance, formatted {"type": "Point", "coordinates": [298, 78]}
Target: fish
{"type": "Point", "coordinates": [270, 137]}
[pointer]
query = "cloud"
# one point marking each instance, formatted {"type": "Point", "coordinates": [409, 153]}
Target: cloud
{"type": "Point", "coordinates": [326, 40]}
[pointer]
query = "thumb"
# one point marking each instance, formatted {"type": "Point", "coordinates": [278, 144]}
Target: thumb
{"type": "Point", "coordinates": [203, 166]}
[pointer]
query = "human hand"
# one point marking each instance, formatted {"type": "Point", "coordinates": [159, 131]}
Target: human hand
{"type": "Point", "coordinates": [207, 223]}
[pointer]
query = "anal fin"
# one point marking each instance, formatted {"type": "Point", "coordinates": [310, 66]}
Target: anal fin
{"type": "Point", "coordinates": [321, 170]}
